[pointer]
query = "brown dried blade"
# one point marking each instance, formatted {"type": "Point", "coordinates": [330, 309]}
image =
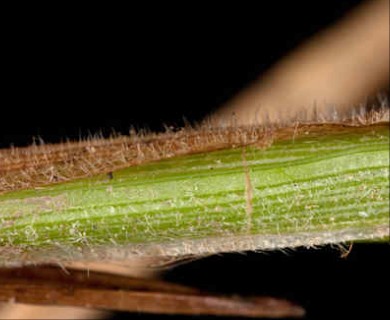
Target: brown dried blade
{"type": "Point", "coordinates": [50, 285]}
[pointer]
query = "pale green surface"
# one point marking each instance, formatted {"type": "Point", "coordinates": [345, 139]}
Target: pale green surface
{"type": "Point", "coordinates": [313, 184]}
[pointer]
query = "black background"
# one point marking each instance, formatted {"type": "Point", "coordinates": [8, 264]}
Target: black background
{"type": "Point", "coordinates": [69, 72]}
{"type": "Point", "coordinates": [72, 71]}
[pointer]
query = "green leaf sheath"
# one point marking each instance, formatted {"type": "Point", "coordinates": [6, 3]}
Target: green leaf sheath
{"type": "Point", "coordinates": [305, 191]}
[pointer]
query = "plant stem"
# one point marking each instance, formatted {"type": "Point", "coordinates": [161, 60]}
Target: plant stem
{"type": "Point", "coordinates": [309, 190]}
